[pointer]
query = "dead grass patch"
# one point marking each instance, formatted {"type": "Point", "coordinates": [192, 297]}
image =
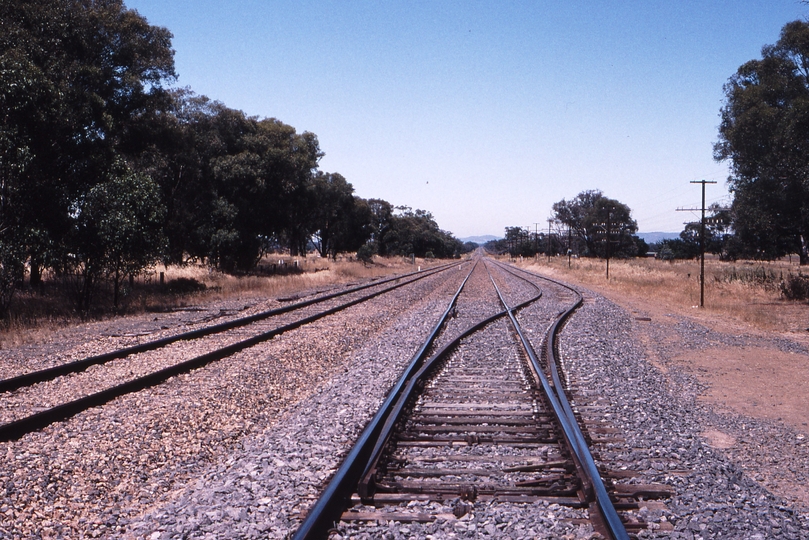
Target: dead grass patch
{"type": "Point", "coordinates": [743, 292]}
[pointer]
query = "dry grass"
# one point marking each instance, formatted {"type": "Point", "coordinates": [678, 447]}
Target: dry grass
{"type": "Point", "coordinates": [744, 291]}
{"type": "Point", "coordinates": [36, 315]}
{"type": "Point", "coordinates": [315, 273]}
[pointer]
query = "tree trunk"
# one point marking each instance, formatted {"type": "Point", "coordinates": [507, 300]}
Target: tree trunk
{"type": "Point", "coordinates": [36, 272]}
{"type": "Point", "coordinates": [19, 276]}
{"type": "Point", "coordinates": [85, 294]}
{"type": "Point", "coordinates": [116, 288]}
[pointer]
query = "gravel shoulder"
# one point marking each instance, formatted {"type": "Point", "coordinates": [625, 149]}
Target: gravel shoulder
{"type": "Point", "coordinates": [751, 385]}
{"type": "Point", "coordinates": [707, 402]}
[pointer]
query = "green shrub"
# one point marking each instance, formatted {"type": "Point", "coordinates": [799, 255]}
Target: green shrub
{"type": "Point", "coordinates": [795, 287]}
{"type": "Point", "coordinates": [366, 253]}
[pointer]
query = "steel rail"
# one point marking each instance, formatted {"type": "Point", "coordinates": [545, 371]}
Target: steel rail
{"type": "Point", "coordinates": [334, 498]}
{"type": "Point", "coordinates": [34, 377]}
{"type": "Point", "coordinates": [18, 428]}
{"type": "Point", "coordinates": [564, 412]}
{"type": "Point", "coordinates": [368, 448]}
{"type": "Point", "coordinates": [366, 480]}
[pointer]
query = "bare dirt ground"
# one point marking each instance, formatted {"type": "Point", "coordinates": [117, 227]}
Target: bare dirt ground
{"type": "Point", "coordinates": [755, 376]}
{"type": "Point", "coordinates": [758, 380]}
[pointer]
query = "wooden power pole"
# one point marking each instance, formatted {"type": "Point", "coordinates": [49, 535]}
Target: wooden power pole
{"type": "Point", "coordinates": [701, 240]}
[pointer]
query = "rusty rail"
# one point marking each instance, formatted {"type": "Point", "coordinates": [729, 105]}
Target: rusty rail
{"type": "Point", "coordinates": [34, 377]}
{"type": "Point", "coordinates": [16, 429]}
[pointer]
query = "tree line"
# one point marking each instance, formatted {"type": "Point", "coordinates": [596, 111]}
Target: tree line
{"type": "Point", "coordinates": [106, 168]}
{"type": "Point", "coordinates": [589, 225]}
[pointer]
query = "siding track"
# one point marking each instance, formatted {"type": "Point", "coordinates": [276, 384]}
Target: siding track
{"type": "Point", "coordinates": [37, 399]}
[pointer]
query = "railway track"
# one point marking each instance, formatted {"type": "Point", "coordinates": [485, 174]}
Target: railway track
{"type": "Point", "coordinates": [39, 398]}
{"type": "Point", "coordinates": [478, 418]}
{"type": "Point", "coordinates": [128, 455]}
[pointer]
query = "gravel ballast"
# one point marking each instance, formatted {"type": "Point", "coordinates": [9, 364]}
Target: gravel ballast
{"type": "Point", "coordinates": [251, 457]}
{"type": "Point", "coordinates": [662, 420]}
{"type": "Point", "coordinates": [95, 474]}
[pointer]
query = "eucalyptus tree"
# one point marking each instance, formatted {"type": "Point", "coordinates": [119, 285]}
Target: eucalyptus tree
{"type": "Point", "coordinates": [597, 220]}
{"type": "Point", "coordinates": [764, 135]}
{"type": "Point", "coordinates": [381, 224]}
{"type": "Point", "coordinates": [520, 241]}
{"type": "Point", "coordinates": [255, 184]}
{"type": "Point", "coordinates": [333, 204]}
{"type": "Point", "coordinates": [417, 233]}
{"type": "Point", "coordinates": [118, 231]}
{"type": "Point", "coordinates": [78, 80]}
{"type": "Point", "coordinates": [183, 143]}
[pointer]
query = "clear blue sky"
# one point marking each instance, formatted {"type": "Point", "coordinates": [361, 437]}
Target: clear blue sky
{"type": "Point", "coordinates": [486, 113]}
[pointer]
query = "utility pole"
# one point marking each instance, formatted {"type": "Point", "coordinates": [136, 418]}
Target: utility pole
{"type": "Point", "coordinates": [536, 241]}
{"type": "Point", "coordinates": [702, 244]}
{"type": "Point", "coordinates": [701, 240]}
{"type": "Point", "coordinates": [569, 249]}
{"type": "Point", "coordinates": [550, 220]}
{"type": "Point", "coordinates": [609, 211]}
{"type": "Point", "coordinates": [608, 230]}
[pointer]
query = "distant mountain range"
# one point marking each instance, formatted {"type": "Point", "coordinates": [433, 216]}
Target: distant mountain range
{"type": "Point", "coordinates": [649, 237]}
{"type": "Point", "coordinates": [652, 237]}
{"type": "Point", "coordinates": [480, 239]}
